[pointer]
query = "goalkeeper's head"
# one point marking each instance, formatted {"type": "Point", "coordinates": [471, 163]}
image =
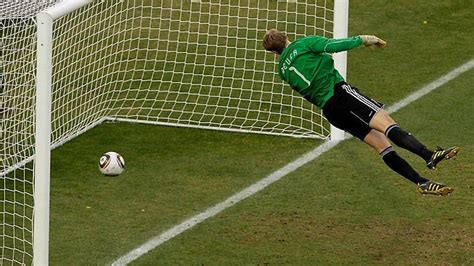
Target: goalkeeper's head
{"type": "Point", "coordinates": [275, 41]}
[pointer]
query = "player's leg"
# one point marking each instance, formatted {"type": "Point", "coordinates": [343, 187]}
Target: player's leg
{"type": "Point", "coordinates": [349, 112]}
{"type": "Point", "coordinates": [371, 112]}
{"type": "Point", "coordinates": [381, 144]}
{"type": "Point", "coordinates": [385, 124]}
{"type": "Point", "coordinates": [382, 122]}
{"type": "Point", "coordinates": [352, 112]}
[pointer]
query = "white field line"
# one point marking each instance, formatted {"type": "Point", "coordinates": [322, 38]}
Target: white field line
{"type": "Point", "coordinates": [277, 175]}
{"type": "Point", "coordinates": [431, 86]}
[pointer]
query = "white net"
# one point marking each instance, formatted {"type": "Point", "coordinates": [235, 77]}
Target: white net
{"type": "Point", "coordinates": [17, 90]}
{"type": "Point", "coordinates": [180, 63]}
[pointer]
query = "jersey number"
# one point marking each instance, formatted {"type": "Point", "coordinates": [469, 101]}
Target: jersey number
{"type": "Point", "coordinates": [292, 68]}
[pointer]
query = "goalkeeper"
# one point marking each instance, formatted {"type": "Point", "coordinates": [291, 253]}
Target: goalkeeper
{"type": "Point", "coordinates": [307, 66]}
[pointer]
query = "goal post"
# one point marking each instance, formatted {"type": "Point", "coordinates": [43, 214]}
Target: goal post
{"type": "Point", "coordinates": [340, 30]}
{"type": "Point", "coordinates": [42, 162]}
{"type": "Point", "coordinates": [69, 65]}
{"type": "Point", "coordinates": [42, 139]}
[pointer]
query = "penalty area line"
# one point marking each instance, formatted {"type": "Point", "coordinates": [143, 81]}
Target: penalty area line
{"type": "Point", "coordinates": [278, 174]}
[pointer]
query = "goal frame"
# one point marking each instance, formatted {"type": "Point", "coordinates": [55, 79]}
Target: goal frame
{"type": "Point", "coordinates": [340, 30]}
{"type": "Point", "coordinates": [42, 160]}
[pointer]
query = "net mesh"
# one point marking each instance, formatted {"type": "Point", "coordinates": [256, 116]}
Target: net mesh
{"type": "Point", "coordinates": [17, 90]}
{"type": "Point", "coordinates": [181, 63]}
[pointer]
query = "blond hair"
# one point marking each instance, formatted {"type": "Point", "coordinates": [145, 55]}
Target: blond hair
{"type": "Point", "coordinates": [275, 41]}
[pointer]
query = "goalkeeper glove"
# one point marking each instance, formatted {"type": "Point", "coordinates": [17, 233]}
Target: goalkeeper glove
{"type": "Point", "coordinates": [371, 40]}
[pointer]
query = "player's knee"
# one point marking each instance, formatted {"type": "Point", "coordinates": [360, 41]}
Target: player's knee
{"type": "Point", "coordinates": [381, 121]}
{"type": "Point", "coordinates": [382, 146]}
{"type": "Point", "coordinates": [377, 140]}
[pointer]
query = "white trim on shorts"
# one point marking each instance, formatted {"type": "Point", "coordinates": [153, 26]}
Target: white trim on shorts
{"type": "Point", "coordinates": [361, 98]}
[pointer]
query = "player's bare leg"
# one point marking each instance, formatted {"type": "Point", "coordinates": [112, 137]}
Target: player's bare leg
{"type": "Point", "coordinates": [382, 122]}
{"type": "Point", "coordinates": [377, 140]}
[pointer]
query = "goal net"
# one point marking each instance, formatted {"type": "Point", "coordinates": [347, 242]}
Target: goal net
{"type": "Point", "coordinates": [182, 63]}
{"type": "Point", "coordinates": [17, 90]}
{"type": "Point", "coordinates": [186, 63]}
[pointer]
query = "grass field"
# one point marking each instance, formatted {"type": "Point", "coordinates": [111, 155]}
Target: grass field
{"type": "Point", "coordinates": [345, 207]}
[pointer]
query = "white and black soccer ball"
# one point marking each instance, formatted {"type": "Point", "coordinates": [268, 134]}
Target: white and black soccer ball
{"type": "Point", "coordinates": [111, 164]}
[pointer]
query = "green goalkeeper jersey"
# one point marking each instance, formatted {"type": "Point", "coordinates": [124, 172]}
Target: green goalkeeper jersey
{"type": "Point", "coordinates": [307, 65]}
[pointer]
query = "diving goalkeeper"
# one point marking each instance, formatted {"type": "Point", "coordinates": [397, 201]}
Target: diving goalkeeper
{"type": "Point", "coordinates": [307, 66]}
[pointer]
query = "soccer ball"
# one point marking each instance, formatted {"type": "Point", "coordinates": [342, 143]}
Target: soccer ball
{"type": "Point", "coordinates": [111, 164]}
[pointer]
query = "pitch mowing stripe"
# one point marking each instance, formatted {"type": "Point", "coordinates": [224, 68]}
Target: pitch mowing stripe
{"type": "Point", "coordinates": [278, 174]}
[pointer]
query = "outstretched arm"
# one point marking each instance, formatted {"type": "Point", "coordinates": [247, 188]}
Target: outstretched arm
{"type": "Point", "coordinates": [324, 45]}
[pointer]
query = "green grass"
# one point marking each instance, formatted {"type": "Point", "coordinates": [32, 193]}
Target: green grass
{"type": "Point", "coordinates": [173, 174]}
{"type": "Point", "coordinates": [346, 207]}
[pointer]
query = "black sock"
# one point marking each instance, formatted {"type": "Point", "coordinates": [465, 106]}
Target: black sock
{"type": "Point", "coordinates": [405, 140]}
{"type": "Point", "coordinates": [399, 165]}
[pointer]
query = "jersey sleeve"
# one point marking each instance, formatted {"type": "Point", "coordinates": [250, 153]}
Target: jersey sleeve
{"type": "Point", "coordinates": [319, 44]}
